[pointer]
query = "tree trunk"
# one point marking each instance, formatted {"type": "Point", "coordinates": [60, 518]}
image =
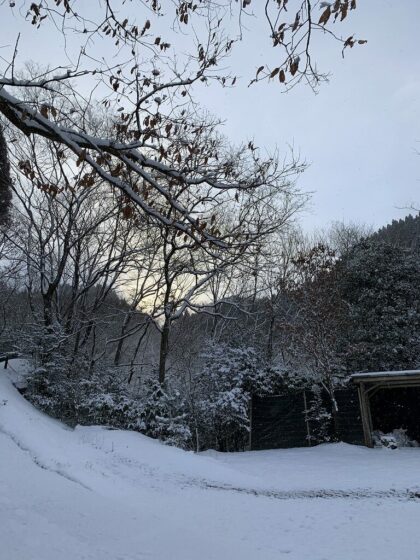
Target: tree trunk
{"type": "Point", "coordinates": [270, 338]}
{"type": "Point", "coordinates": [124, 327]}
{"type": "Point", "coordinates": [163, 353]}
{"type": "Point", "coordinates": [133, 359]}
{"type": "Point", "coordinates": [47, 302]}
{"type": "Point", "coordinates": [334, 409]}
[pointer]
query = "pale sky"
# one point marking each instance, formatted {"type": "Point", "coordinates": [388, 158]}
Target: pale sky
{"type": "Point", "coordinates": [360, 132]}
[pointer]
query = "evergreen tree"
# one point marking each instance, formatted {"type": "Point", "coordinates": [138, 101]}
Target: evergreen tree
{"type": "Point", "coordinates": [381, 284]}
{"type": "Point", "coordinates": [402, 233]}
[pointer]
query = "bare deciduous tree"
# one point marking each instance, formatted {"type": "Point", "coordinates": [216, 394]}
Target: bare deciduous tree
{"type": "Point", "coordinates": [149, 87]}
{"type": "Point", "coordinates": [5, 181]}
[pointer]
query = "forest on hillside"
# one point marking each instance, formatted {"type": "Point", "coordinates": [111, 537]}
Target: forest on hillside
{"type": "Point", "coordinates": [154, 272]}
{"type": "Point", "coordinates": [128, 325]}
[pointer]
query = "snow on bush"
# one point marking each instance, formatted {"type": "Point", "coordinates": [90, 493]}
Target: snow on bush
{"type": "Point", "coordinates": [393, 440]}
{"type": "Point", "coordinates": [220, 395]}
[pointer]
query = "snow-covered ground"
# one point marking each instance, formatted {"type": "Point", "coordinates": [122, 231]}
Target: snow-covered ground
{"type": "Point", "coordinates": [98, 494]}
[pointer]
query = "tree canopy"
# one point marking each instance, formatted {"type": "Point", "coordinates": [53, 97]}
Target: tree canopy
{"type": "Point", "coordinates": [119, 56]}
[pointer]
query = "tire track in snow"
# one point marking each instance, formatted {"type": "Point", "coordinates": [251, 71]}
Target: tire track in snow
{"type": "Point", "coordinates": [357, 494]}
{"type": "Point", "coordinates": [39, 463]}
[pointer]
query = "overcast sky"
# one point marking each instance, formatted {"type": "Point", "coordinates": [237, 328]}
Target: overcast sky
{"type": "Point", "coordinates": [360, 133]}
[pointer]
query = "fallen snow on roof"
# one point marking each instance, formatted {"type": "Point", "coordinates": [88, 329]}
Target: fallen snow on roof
{"type": "Point", "coordinates": [402, 373]}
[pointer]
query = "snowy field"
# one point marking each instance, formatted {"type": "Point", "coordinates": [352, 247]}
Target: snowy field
{"type": "Point", "coordinates": [98, 494]}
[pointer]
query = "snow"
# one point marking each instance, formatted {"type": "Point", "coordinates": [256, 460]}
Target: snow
{"type": "Point", "coordinates": [99, 494]}
{"type": "Point", "coordinates": [17, 371]}
{"type": "Point", "coordinates": [402, 373]}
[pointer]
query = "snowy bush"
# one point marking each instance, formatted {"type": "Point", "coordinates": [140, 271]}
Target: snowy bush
{"type": "Point", "coordinates": [53, 383]}
{"type": "Point", "coordinates": [221, 392]}
{"type": "Point", "coordinates": [106, 400]}
{"type": "Point", "coordinates": [164, 416]}
{"type": "Point", "coordinates": [397, 438]}
{"type": "Point", "coordinates": [320, 418]}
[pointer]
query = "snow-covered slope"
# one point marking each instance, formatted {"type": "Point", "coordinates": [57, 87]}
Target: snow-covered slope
{"type": "Point", "coordinates": [92, 493]}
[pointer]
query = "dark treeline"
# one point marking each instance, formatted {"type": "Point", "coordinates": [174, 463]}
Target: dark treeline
{"type": "Point", "coordinates": [128, 324]}
{"type": "Point", "coordinates": [153, 274]}
{"type": "Point", "coordinates": [327, 316]}
{"type": "Point", "coordinates": [402, 233]}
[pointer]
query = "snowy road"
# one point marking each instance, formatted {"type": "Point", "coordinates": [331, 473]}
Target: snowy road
{"type": "Point", "coordinates": [97, 494]}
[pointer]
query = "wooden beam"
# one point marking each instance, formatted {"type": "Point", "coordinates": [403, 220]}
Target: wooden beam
{"type": "Point", "coordinates": [388, 379]}
{"type": "Point", "coordinates": [366, 414]}
{"type": "Point", "coordinates": [372, 388]}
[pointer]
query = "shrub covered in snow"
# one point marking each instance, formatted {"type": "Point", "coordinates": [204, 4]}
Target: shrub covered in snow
{"type": "Point", "coordinates": [104, 398]}
{"type": "Point", "coordinates": [319, 416]}
{"type": "Point", "coordinates": [397, 438]}
{"type": "Point", "coordinates": [220, 395]}
{"type": "Point", "coordinates": [164, 416]}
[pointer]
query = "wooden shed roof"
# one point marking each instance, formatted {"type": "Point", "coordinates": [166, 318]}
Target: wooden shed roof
{"type": "Point", "coordinates": [390, 377]}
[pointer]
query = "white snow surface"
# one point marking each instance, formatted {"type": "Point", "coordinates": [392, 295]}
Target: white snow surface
{"type": "Point", "coordinates": [402, 373]}
{"type": "Point", "coordinates": [99, 494]}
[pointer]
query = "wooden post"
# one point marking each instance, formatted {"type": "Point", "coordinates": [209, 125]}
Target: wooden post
{"type": "Point", "coordinates": [366, 415]}
{"type": "Point", "coordinates": [8, 356]}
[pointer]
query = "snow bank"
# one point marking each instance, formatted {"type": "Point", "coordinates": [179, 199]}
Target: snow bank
{"type": "Point", "coordinates": [98, 494]}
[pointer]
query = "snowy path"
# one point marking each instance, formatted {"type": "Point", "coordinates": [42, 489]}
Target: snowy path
{"type": "Point", "coordinates": [98, 494]}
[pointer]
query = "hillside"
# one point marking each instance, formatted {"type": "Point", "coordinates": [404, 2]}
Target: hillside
{"type": "Point", "coordinates": [99, 494]}
{"type": "Point", "coordinates": [403, 233]}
